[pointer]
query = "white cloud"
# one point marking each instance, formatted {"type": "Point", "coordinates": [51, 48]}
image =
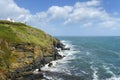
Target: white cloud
{"type": "Point", "coordinates": [92, 3]}
{"type": "Point", "coordinates": [59, 12]}
{"type": "Point", "coordinates": [89, 13]}
{"type": "Point", "coordinates": [86, 11]}
{"type": "Point", "coordinates": [8, 8]}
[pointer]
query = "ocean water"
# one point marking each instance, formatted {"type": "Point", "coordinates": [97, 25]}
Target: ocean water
{"type": "Point", "coordinates": [90, 58]}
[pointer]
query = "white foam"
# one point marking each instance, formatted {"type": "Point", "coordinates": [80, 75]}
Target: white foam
{"type": "Point", "coordinates": [47, 68]}
{"type": "Point", "coordinates": [68, 44]}
{"type": "Point", "coordinates": [114, 78]}
{"type": "Point", "coordinates": [95, 76]}
{"type": "Point", "coordinates": [62, 64]}
{"type": "Point", "coordinates": [52, 78]}
{"type": "Point", "coordinates": [109, 71]}
{"type": "Point", "coordinates": [36, 71]}
{"type": "Point", "coordinates": [84, 72]}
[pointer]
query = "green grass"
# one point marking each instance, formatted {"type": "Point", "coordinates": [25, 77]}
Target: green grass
{"type": "Point", "coordinates": [19, 32]}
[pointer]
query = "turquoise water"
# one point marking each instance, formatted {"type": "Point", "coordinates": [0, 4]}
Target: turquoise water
{"type": "Point", "coordinates": [90, 58]}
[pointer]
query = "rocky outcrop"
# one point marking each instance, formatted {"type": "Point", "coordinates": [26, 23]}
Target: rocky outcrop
{"type": "Point", "coordinates": [23, 49]}
{"type": "Point", "coordinates": [26, 57]}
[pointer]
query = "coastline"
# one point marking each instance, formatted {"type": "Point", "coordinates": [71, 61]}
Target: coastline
{"type": "Point", "coordinates": [25, 49]}
{"type": "Point", "coordinates": [34, 72]}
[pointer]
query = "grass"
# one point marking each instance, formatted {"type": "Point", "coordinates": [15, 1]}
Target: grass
{"type": "Point", "coordinates": [19, 32]}
{"type": "Point", "coordinates": [16, 32]}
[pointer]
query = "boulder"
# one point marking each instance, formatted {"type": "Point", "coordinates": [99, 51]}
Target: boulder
{"type": "Point", "coordinates": [50, 64]}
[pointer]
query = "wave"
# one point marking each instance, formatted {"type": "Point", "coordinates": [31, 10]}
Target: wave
{"type": "Point", "coordinates": [108, 70]}
{"type": "Point", "coordinates": [95, 76]}
{"type": "Point", "coordinates": [114, 77]}
{"type": "Point", "coordinates": [61, 65]}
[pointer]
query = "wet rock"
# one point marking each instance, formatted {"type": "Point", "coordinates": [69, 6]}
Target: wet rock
{"type": "Point", "coordinates": [43, 62]}
{"type": "Point", "coordinates": [60, 45]}
{"type": "Point", "coordinates": [65, 48]}
{"type": "Point", "coordinates": [50, 64]}
{"type": "Point", "coordinates": [48, 59]}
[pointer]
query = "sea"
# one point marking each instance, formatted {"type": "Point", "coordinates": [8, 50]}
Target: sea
{"type": "Point", "coordinates": [89, 58]}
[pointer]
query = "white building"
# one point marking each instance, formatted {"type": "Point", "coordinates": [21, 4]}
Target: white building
{"type": "Point", "coordinates": [11, 20]}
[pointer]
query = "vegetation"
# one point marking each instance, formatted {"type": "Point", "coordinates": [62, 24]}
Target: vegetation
{"type": "Point", "coordinates": [28, 39]}
{"type": "Point", "coordinates": [19, 32]}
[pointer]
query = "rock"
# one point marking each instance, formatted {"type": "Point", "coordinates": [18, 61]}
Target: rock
{"type": "Point", "coordinates": [65, 48]}
{"type": "Point", "coordinates": [43, 62]}
{"type": "Point", "coordinates": [50, 64]}
{"type": "Point", "coordinates": [63, 56]}
{"type": "Point", "coordinates": [60, 45]}
{"type": "Point", "coordinates": [48, 59]}
{"type": "Point", "coordinates": [31, 76]}
{"type": "Point", "coordinates": [39, 69]}
{"type": "Point", "coordinates": [2, 76]}
{"type": "Point", "coordinates": [36, 71]}
{"type": "Point", "coordinates": [29, 49]}
{"type": "Point", "coordinates": [38, 76]}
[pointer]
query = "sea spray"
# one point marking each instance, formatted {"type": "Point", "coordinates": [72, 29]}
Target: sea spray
{"type": "Point", "coordinates": [60, 66]}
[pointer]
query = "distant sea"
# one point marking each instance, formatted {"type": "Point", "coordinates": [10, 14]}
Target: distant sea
{"type": "Point", "coordinates": [90, 58]}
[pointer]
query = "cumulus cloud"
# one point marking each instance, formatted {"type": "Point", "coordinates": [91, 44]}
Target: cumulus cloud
{"type": "Point", "coordinates": [8, 8]}
{"type": "Point", "coordinates": [85, 14]}
{"type": "Point", "coordinates": [59, 12]}
{"type": "Point", "coordinates": [91, 14]}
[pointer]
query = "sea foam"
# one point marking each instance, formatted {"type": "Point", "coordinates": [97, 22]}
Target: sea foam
{"type": "Point", "coordinates": [61, 65]}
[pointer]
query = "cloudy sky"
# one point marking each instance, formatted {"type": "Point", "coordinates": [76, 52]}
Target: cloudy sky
{"type": "Point", "coordinates": [66, 17]}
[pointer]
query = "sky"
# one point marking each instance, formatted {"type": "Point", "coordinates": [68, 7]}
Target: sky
{"type": "Point", "coordinates": [66, 17]}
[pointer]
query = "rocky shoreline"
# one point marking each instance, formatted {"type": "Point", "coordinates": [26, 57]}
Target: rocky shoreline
{"type": "Point", "coordinates": [33, 71]}
{"type": "Point", "coordinates": [23, 49]}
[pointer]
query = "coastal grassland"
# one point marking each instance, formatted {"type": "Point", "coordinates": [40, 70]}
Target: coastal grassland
{"type": "Point", "coordinates": [19, 32]}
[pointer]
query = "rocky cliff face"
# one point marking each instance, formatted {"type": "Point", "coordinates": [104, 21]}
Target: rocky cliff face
{"type": "Point", "coordinates": [23, 48]}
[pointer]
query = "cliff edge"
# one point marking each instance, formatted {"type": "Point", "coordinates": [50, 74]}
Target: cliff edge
{"type": "Point", "coordinates": [23, 48]}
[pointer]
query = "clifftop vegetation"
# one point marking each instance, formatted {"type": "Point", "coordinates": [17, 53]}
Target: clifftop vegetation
{"type": "Point", "coordinates": [21, 33]}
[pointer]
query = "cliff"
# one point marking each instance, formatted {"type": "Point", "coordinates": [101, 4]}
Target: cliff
{"type": "Point", "coordinates": [23, 48]}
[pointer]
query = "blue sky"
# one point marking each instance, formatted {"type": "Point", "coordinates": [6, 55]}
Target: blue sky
{"type": "Point", "coordinates": [66, 17]}
{"type": "Point", "coordinates": [43, 5]}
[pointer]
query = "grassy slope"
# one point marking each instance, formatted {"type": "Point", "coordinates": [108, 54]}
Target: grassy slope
{"type": "Point", "coordinates": [19, 32]}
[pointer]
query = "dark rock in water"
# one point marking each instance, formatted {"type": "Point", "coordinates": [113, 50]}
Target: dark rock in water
{"type": "Point", "coordinates": [60, 45]}
{"type": "Point", "coordinates": [39, 69]}
{"type": "Point", "coordinates": [31, 76]}
{"type": "Point", "coordinates": [57, 56]}
{"type": "Point", "coordinates": [65, 48]}
{"type": "Point", "coordinates": [50, 64]}
{"type": "Point", "coordinates": [63, 56]}
{"type": "Point", "coordinates": [43, 62]}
